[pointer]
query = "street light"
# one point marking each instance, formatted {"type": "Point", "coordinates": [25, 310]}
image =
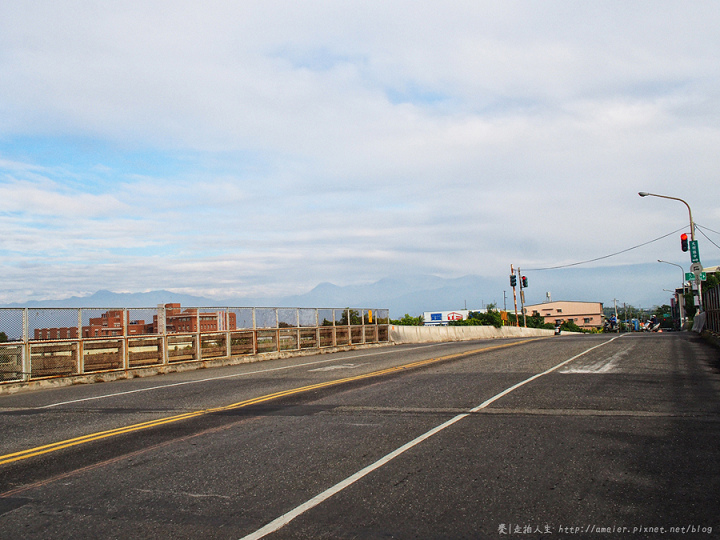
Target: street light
{"type": "Point", "coordinates": [692, 223]}
{"type": "Point", "coordinates": [680, 301]}
{"type": "Point", "coordinates": [692, 233]}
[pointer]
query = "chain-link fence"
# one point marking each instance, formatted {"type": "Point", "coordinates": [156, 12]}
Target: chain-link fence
{"type": "Point", "coordinates": [54, 342]}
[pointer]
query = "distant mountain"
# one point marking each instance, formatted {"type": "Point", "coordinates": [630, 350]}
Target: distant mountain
{"type": "Point", "coordinates": [414, 294]}
{"type": "Point", "coordinates": [411, 294]}
{"type": "Point", "coordinates": [108, 299]}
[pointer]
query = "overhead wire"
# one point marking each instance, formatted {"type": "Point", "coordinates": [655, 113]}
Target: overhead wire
{"type": "Point", "coordinates": [700, 228]}
{"type": "Point", "coordinates": [605, 256]}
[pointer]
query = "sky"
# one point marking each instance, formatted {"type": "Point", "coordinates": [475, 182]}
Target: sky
{"type": "Point", "coordinates": [226, 148]}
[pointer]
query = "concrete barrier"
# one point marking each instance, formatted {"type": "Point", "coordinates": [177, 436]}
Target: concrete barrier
{"type": "Point", "coordinates": [432, 334]}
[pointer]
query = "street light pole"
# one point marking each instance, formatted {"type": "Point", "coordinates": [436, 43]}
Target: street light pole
{"type": "Point", "coordinates": [692, 234]}
{"type": "Point", "coordinates": [692, 223]}
{"type": "Point", "coordinates": [680, 301]}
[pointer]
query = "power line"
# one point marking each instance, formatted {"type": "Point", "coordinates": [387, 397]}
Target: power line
{"type": "Point", "coordinates": [605, 256]}
{"type": "Point", "coordinates": [705, 235]}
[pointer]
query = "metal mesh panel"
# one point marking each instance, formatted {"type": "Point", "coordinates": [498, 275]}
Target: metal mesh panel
{"type": "Point", "coordinates": [140, 321]}
{"type": "Point", "coordinates": [265, 318]}
{"type": "Point", "coordinates": [98, 322]}
{"type": "Point", "coordinates": [212, 319]}
{"type": "Point", "coordinates": [53, 323]}
{"type": "Point", "coordinates": [307, 317]}
{"type": "Point", "coordinates": [11, 324]}
{"type": "Point", "coordinates": [383, 316]}
{"type": "Point", "coordinates": [325, 317]}
{"type": "Point", "coordinates": [10, 362]}
{"type": "Point", "coordinates": [370, 333]}
{"type": "Point", "coordinates": [243, 318]}
{"type": "Point", "coordinates": [287, 318]}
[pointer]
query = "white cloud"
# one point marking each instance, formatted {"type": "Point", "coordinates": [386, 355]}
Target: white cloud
{"type": "Point", "coordinates": [325, 141]}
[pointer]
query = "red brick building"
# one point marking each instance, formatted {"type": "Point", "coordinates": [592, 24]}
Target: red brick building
{"type": "Point", "coordinates": [178, 320]}
{"type": "Point", "coordinates": [111, 323]}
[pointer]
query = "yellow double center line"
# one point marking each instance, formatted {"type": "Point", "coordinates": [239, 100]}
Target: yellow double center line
{"type": "Point", "coordinates": [54, 447]}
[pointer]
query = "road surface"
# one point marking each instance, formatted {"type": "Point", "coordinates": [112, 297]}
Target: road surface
{"type": "Point", "coordinates": [577, 436]}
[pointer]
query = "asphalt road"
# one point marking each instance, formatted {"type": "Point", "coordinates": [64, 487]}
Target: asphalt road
{"type": "Point", "coordinates": [566, 437]}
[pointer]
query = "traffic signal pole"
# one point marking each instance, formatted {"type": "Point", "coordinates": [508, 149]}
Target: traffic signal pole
{"type": "Point", "coordinates": [522, 298]}
{"type": "Point", "coordinates": [512, 284]}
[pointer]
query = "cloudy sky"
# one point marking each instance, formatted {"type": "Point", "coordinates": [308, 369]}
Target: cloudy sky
{"type": "Point", "coordinates": [261, 147]}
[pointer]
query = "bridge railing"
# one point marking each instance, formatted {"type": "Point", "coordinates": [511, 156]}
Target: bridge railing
{"type": "Point", "coordinates": [59, 342]}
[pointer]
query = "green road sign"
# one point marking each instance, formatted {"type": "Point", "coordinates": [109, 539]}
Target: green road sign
{"type": "Point", "coordinates": [703, 276]}
{"type": "Point", "coordinates": [694, 251]}
{"type": "Point", "coordinates": [689, 276]}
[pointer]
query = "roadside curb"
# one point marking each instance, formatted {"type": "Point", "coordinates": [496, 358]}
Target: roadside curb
{"type": "Point", "coordinates": [711, 337]}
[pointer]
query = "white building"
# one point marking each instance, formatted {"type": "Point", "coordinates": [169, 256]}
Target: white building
{"type": "Point", "coordinates": [442, 318]}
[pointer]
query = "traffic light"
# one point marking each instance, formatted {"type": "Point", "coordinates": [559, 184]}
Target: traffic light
{"type": "Point", "coordinates": [513, 280]}
{"type": "Point", "coordinates": [524, 282]}
{"type": "Point", "coordinates": [684, 242]}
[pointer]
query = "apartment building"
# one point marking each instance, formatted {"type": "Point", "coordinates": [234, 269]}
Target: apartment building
{"type": "Point", "coordinates": [583, 314]}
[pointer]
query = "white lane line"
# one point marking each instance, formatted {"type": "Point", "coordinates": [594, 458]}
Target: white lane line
{"type": "Point", "coordinates": [606, 365]}
{"type": "Point", "coordinates": [283, 520]}
{"type": "Point", "coordinates": [339, 366]}
{"type": "Point", "coordinates": [163, 386]}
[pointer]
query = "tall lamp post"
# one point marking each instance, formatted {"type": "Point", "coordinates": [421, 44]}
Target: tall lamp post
{"type": "Point", "coordinates": [680, 301]}
{"type": "Point", "coordinates": [692, 232]}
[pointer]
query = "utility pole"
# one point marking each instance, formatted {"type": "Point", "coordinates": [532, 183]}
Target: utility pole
{"type": "Point", "coordinates": [522, 297]}
{"type": "Point", "coordinates": [513, 283]}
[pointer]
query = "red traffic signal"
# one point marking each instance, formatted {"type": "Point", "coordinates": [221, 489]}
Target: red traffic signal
{"type": "Point", "coordinates": [684, 242]}
{"type": "Point", "coordinates": [524, 282]}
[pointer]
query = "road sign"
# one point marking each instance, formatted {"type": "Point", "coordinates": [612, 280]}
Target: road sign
{"type": "Point", "coordinates": [694, 251]}
{"type": "Point", "coordinates": [703, 276]}
{"type": "Point", "coordinates": [689, 276]}
{"type": "Point", "coordinates": [696, 268]}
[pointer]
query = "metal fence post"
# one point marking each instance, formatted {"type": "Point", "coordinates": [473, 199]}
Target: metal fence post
{"type": "Point", "coordinates": [81, 346]}
{"type": "Point", "coordinates": [228, 336]}
{"type": "Point", "coordinates": [26, 352]}
{"type": "Point", "coordinates": [255, 343]}
{"type": "Point", "coordinates": [126, 340]}
{"type": "Point", "coordinates": [162, 330]}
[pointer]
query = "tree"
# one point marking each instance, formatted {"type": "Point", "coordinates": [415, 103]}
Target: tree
{"type": "Point", "coordinates": [3, 337]}
{"type": "Point", "coordinates": [477, 318]}
{"type": "Point", "coordinates": [354, 317]}
{"type": "Point", "coordinates": [408, 320]}
{"type": "Point", "coordinates": [690, 308]}
{"type": "Point", "coordinates": [570, 326]}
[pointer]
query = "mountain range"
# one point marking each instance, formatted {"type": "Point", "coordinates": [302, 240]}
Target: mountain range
{"type": "Point", "coordinates": [412, 295]}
